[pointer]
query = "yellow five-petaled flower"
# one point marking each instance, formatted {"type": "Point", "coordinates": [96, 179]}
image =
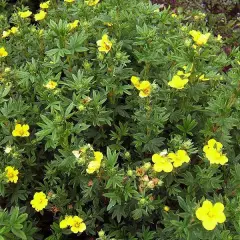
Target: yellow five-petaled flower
{"type": "Point", "coordinates": [199, 38]}
{"type": "Point", "coordinates": [213, 152]}
{"type": "Point", "coordinates": [178, 82]}
{"type": "Point", "coordinates": [104, 45]}
{"type": "Point", "coordinates": [92, 2]}
{"type": "Point", "coordinates": [39, 201]}
{"type": "Point", "coordinates": [11, 174]}
{"type": "Point", "coordinates": [210, 214]}
{"type": "Point", "coordinates": [51, 85]}
{"type": "Point", "coordinates": [21, 130]}
{"type": "Point", "coordinates": [94, 165]}
{"type": "Point", "coordinates": [40, 16]}
{"type": "Point", "coordinates": [3, 52]}
{"type": "Point", "coordinates": [161, 163]}
{"type": "Point", "coordinates": [73, 25]}
{"type": "Point", "coordinates": [25, 14]}
{"type": "Point", "coordinates": [144, 87]}
{"type": "Point", "coordinates": [45, 5]}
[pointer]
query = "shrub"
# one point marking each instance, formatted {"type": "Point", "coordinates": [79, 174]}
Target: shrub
{"type": "Point", "coordinates": [117, 121]}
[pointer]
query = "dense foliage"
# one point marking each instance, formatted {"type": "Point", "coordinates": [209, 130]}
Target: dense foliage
{"type": "Point", "coordinates": [118, 121]}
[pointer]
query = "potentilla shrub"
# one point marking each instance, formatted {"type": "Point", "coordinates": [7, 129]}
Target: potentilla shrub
{"type": "Point", "coordinates": [118, 121]}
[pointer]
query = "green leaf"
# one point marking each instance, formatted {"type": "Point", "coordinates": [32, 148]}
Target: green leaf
{"type": "Point", "coordinates": [14, 214]}
{"type": "Point", "coordinates": [19, 233]}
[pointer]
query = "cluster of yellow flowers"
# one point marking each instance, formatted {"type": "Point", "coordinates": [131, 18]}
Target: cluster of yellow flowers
{"type": "Point", "coordinates": [21, 130]}
{"type": "Point", "coordinates": [38, 16]}
{"type": "Point", "coordinates": [144, 87]}
{"type": "Point", "coordinates": [213, 152]}
{"type": "Point", "coordinates": [104, 45]}
{"type": "Point", "coordinates": [75, 223]}
{"type": "Point", "coordinates": [11, 174]}
{"type": "Point", "coordinates": [51, 85]}
{"type": "Point", "coordinates": [3, 52]}
{"type": "Point", "coordinates": [165, 162]}
{"type": "Point", "coordinates": [210, 214]}
{"type": "Point", "coordinates": [180, 79]}
{"type": "Point", "coordinates": [199, 38]}
{"type": "Point", "coordinates": [94, 165]}
{"type": "Point", "coordinates": [39, 201]}
{"type": "Point", "coordinates": [12, 30]}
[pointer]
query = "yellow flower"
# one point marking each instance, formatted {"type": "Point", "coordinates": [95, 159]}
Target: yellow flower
{"type": "Point", "coordinates": [21, 130]}
{"type": "Point", "coordinates": [174, 15]}
{"type": "Point", "coordinates": [40, 16]}
{"type": "Point", "coordinates": [145, 89]}
{"type": "Point", "coordinates": [11, 174]}
{"type": "Point", "coordinates": [166, 208]}
{"type": "Point", "coordinates": [94, 165]}
{"type": "Point", "coordinates": [219, 38]}
{"type": "Point", "coordinates": [6, 33]}
{"type": "Point", "coordinates": [104, 45]}
{"type": "Point", "coordinates": [25, 14]}
{"type": "Point", "coordinates": [136, 82]}
{"type": "Point", "coordinates": [194, 46]}
{"type": "Point", "coordinates": [69, 1]}
{"type": "Point", "coordinates": [199, 38]}
{"type": "Point", "coordinates": [39, 201]}
{"type": "Point", "coordinates": [179, 158]}
{"type": "Point", "coordinates": [202, 77]}
{"type": "Point", "coordinates": [210, 214]}
{"type": "Point", "coordinates": [51, 85]}
{"type": "Point", "coordinates": [7, 69]}
{"type": "Point", "coordinates": [14, 30]}
{"type": "Point", "coordinates": [108, 24]}
{"type": "Point", "coordinates": [8, 149]}
{"type": "Point", "coordinates": [3, 52]}
{"type": "Point", "coordinates": [161, 163]}
{"type": "Point", "coordinates": [73, 24]}
{"type": "Point", "coordinates": [66, 222]}
{"type": "Point", "coordinates": [98, 156]}
{"type": "Point", "coordinates": [92, 2]}
{"type": "Point", "coordinates": [213, 152]}
{"type": "Point", "coordinates": [177, 82]}
{"type": "Point", "coordinates": [77, 225]}
{"type": "Point", "coordinates": [45, 5]}
{"type": "Point", "coordinates": [181, 73]}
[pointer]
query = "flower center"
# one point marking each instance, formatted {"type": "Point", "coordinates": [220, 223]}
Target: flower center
{"type": "Point", "coordinates": [107, 46]}
{"type": "Point", "coordinates": [10, 175]}
{"type": "Point", "coordinates": [77, 225]}
{"type": "Point", "coordinates": [211, 214]}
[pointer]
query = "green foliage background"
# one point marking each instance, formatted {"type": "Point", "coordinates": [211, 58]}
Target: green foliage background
{"type": "Point", "coordinates": [125, 127]}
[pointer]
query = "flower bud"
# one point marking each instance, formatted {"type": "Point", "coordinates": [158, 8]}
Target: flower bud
{"type": "Point", "coordinates": [187, 42]}
{"type": "Point", "coordinates": [166, 208]}
{"type": "Point", "coordinates": [145, 178]}
{"type": "Point", "coordinates": [127, 155]}
{"type": "Point", "coordinates": [101, 233]}
{"type": "Point", "coordinates": [160, 183]}
{"type": "Point", "coordinates": [142, 201]}
{"type": "Point", "coordinates": [151, 184]}
{"type": "Point", "coordinates": [129, 173]}
{"type": "Point", "coordinates": [147, 165]}
{"type": "Point", "coordinates": [81, 107]}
